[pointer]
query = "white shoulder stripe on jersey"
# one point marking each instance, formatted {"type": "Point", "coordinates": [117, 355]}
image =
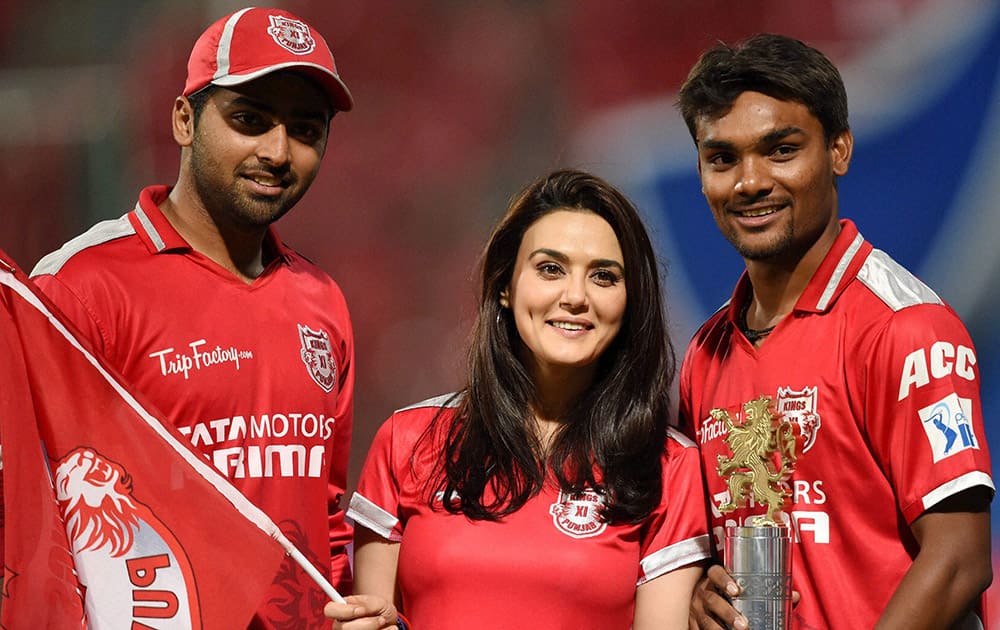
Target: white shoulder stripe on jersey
{"type": "Point", "coordinates": [675, 556]}
{"type": "Point", "coordinates": [150, 229]}
{"type": "Point", "coordinates": [364, 512]}
{"type": "Point", "coordinates": [838, 273]}
{"type": "Point", "coordinates": [101, 233]}
{"type": "Point", "coordinates": [964, 482]}
{"type": "Point", "coordinates": [680, 438]}
{"type": "Point", "coordinates": [893, 284]}
{"type": "Point", "coordinates": [437, 401]}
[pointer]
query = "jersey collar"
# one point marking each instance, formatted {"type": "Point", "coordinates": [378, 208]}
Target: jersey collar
{"type": "Point", "coordinates": [839, 267]}
{"type": "Point", "coordinates": [160, 236]}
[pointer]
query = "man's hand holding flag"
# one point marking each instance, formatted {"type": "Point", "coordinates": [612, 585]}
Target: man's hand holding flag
{"type": "Point", "coordinates": [111, 520]}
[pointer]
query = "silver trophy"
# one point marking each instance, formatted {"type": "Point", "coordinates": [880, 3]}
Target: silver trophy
{"type": "Point", "coordinates": [759, 555]}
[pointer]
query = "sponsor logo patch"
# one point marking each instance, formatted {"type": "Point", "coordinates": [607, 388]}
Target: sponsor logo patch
{"type": "Point", "coordinates": [199, 355]}
{"type": "Point", "coordinates": [317, 354]}
{"type": "Point", "coordinates": [578, 514]}
{"type": "Point", "coordinates": [948, 424]}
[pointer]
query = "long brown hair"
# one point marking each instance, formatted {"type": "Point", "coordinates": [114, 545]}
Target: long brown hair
{"type": "Point", "coordinates": [612, 439]}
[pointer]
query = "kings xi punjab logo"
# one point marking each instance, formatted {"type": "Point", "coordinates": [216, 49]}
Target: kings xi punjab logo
{"type": "Point", "coordinates": [317, 354]}
{"type": "Point", "coordinates": [800, 408]}
{"type": "Point", "coordinates": [578, 514]}
{"type": "Point", "coordinates": [292, 35]}
{"type": "Point", "coordinates": [133, 572]}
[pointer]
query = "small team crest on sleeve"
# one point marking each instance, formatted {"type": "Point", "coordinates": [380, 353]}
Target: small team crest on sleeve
{"type": "Point", "coordinates": [578, 514]}
{"type": "Point", "coordinates": [317, 354]}
{"type": "Point", "coordinates": [948, 424]}
{"type": "Point", "coordinates": [291, 35]}
{"type": "Point", "coordinates": [800, 407]}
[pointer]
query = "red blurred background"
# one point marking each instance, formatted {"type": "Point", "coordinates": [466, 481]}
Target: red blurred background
{"type": "Point", "coordinates": [458, 104]}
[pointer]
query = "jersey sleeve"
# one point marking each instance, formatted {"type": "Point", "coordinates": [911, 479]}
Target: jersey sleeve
{"type": "Point", "coordinates": [376, 503]}
{"type": "Point", "coordinates": [923, 408]}
{"type": "Point", "coordinates": [677, 533]}
{"type": "Point", "coordinates": [75, 311]}
{"type": "Point", "coordinates": [341, 530]}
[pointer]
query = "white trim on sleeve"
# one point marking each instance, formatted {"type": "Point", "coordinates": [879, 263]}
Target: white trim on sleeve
{"type": "Point", "coordinates": [371, 516]}
{"type": "Point", "coordinates": [675, 556]}
{"type": "Point", "coordinates": [956, 485]}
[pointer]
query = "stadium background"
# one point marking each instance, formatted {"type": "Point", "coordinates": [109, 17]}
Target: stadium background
{"type": "Point", "coordinates": [459, 104]}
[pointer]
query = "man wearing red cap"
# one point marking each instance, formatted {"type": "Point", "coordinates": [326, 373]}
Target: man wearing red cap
{"type": "Point", "coordinates": [241, 342]}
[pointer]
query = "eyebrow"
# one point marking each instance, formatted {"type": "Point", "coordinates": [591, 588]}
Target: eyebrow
{"type": "Point", "coordinates": [770, 137]}
{"type": "Point", "coordinates": [561, 257]}
{"type": "Point", "coordinates": [308, 114]}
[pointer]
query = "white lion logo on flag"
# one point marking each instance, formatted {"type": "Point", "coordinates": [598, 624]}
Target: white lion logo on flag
{"type": "Point", "coordinates": [95, 497]}
{"type": "Point", "coordinates": [132, 571]}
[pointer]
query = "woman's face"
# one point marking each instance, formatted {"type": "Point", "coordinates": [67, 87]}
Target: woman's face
{"type": "Point", "coordinates": [567, 293]}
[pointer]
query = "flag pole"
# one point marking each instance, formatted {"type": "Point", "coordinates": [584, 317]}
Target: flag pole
{"type": "Point", "coordinates": [249, 511]}
{"type": "Point", "coordinates": [308, 567]}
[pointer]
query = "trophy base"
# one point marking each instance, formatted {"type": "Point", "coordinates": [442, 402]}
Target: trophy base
{"type": "Point", "coordinates": [760, 560]}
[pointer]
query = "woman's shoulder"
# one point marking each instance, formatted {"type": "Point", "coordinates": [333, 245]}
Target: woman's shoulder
{"type": "Point", "coordinates": [678, 439]}
{"type": "Point", "coordinates": [680, 446]}
{"type": "Point", "coordinates": [444, 401]}
{"type": "Point", "coordinates": [408, 423]}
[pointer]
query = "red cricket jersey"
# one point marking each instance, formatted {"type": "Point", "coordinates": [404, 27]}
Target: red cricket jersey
{"type": "Point", "coordinates": [881, 377]}
{"type": "Point", "coordinates": [552, 564]}
{"type": "Point", "coordinates": [260, 376]}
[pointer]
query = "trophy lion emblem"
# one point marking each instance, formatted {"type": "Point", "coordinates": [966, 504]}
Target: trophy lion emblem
{"type": "Point", "coordinates": [757, 442]}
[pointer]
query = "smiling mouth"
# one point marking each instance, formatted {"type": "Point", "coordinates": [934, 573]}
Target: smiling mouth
{"type": "Point", "coordinates": [754, 213]}
{"type": "Point", "coordinates": [760, 208]}
{"type": "Point", "coordinates": [265, 180]}
{"type": "Point", "coordinates": [569, 326]}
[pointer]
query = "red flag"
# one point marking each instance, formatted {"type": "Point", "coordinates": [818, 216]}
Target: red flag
{"type": "Point", "coordinates": [111, 520]}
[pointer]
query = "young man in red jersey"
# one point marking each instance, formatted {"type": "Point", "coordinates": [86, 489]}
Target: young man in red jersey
{"type": "Point", "coordinates": [890, 496]}
{"type": "Point", "coordinates": [241, 342]}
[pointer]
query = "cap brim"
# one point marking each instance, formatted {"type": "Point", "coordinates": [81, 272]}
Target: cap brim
{"type": "Point", "coordinates": [333, 85]}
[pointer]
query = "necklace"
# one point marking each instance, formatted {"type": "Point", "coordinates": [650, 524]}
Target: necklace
{"type": "Point", "coordinates": [753, 335]}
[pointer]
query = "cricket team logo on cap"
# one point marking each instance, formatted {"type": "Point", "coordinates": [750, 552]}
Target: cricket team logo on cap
{"type": "Point", "coordinates": [120, 547]}
{"type": "Point", "coordinates": [291, 34]}
{"type": "Point", "coordinates": [578, 514]}
{"type": "Point", "coordinates": [317, 354]}
{"type": "Point", "coordinates": [800, 408]}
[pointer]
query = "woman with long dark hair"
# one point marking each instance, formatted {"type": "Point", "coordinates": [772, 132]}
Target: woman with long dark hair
{"type": "Point", "coordinates": [549, 492]}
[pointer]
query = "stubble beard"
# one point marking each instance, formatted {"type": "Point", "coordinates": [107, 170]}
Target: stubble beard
{"type": "Point", "coordinates": [230, 203]}
{"type": "Point", "coordinates": [753, 249]}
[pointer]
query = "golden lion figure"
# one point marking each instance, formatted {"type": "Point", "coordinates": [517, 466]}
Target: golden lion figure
{"type": "Point", "coordinates": [754, 442]}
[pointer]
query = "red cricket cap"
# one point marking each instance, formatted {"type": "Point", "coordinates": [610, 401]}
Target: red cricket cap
{"type": "Point", "coordinates": [253, 42]}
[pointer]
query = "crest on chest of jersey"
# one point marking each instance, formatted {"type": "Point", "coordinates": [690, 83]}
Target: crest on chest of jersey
{"type": "Point", "coordinates": [317, 354]}
{"type": "Point", "coordinates": [578, 514]}
{"type": "Point", "coordinates": [291, 35]}
{"type": "Point", "coordinates": [800, 407]}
